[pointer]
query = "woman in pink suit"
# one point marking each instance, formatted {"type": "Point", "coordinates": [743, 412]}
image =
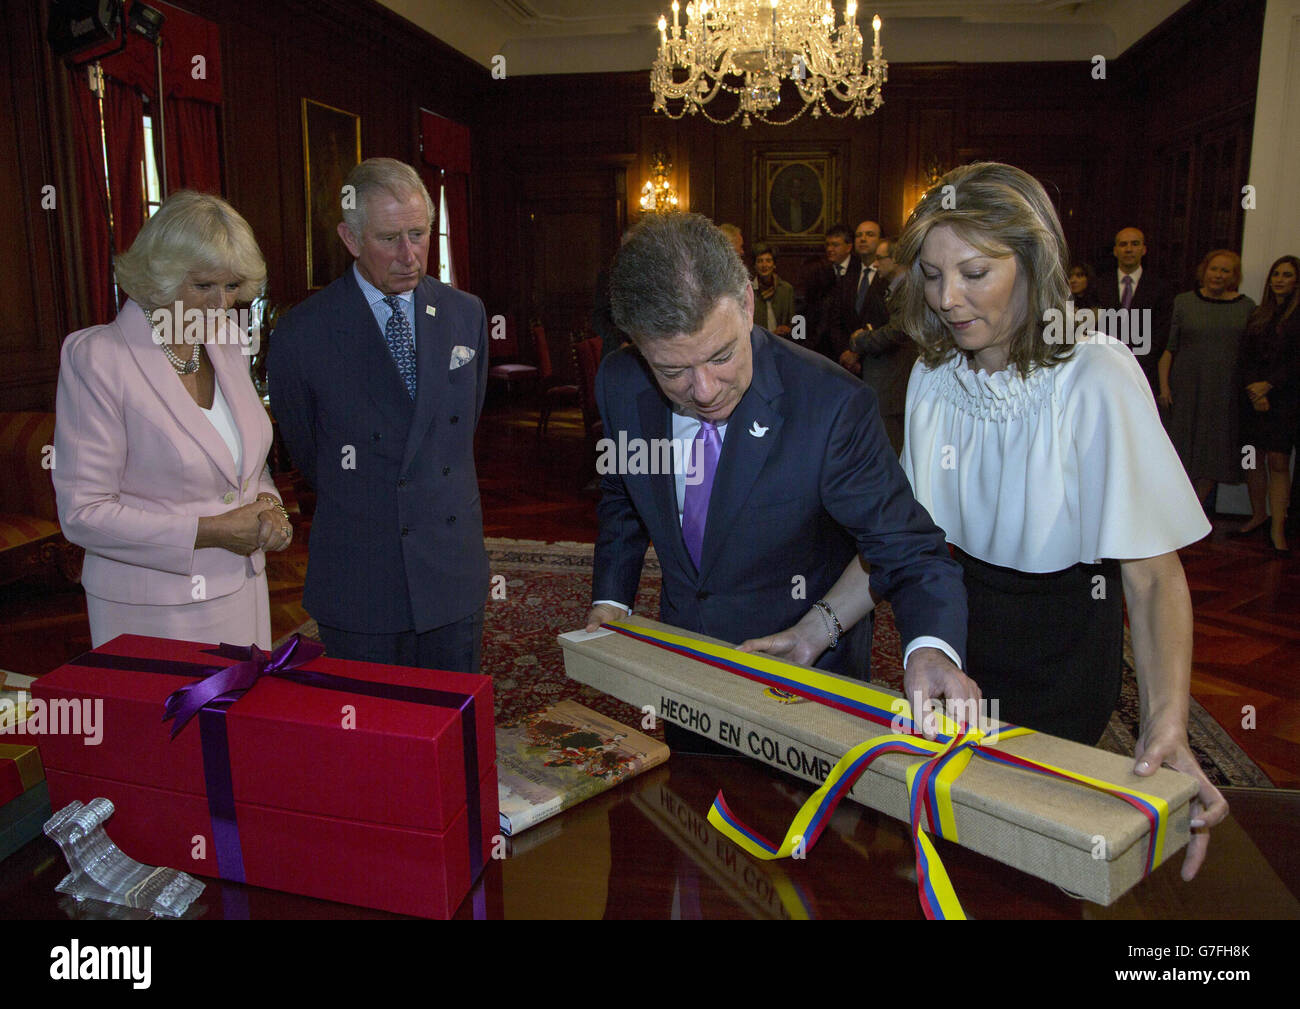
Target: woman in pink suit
{"type": "Point", "coordinates": [161, 440]}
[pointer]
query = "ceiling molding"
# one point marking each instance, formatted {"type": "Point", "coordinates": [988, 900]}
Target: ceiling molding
{"type": "Point", "coordinates": [586, 36]}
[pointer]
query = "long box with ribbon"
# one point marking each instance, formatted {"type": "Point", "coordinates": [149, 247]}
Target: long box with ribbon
{"type": "Point", "coordinates": [24, 797]}
{"type": "Point", "coordinates": [20, 766]}
{"type": "Point", "coordinates": [1071, 814]}
{"type": "Point", "coordinates": [348, 781]}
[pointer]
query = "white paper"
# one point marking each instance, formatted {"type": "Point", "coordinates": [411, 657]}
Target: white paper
{"type": "Point", "coordinates": [577, 636]}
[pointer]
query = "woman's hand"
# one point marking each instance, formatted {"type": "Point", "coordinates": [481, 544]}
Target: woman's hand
{"type": "Point", "coordinates": [274, 531]}
{"type": "Point", "coordinates": [241, 529]}
{"type": "Point", "coordinates": [1165, 742]}
{"type": "Point", "coordinates": [1166, 398]}
{"type": "Point", "coordinates": [801, 644]}
{"type": "Point", "coordinates": [1258, 390]}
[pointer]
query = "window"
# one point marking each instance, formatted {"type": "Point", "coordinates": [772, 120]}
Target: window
{"type": "Point", "coordinates": [444, 236]}
{"type": "Point", "coordinates": [152, 188]}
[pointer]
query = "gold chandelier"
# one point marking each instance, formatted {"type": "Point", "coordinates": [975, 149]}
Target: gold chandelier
{"type": "Point", "coordinates": [748, 47]}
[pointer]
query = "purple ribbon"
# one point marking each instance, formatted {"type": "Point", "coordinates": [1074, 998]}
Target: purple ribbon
{"type": "Point", "coordinates": [230, 683]}
{"type": "Point", "coordinates": [220, 687]}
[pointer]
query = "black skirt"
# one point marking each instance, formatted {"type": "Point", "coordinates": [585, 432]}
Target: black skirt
{"type": "Point", "coordinates": [1045, 646]}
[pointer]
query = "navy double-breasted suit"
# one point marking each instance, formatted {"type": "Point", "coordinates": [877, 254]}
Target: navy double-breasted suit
{"type": "Point", "coordinates": [397, 538]}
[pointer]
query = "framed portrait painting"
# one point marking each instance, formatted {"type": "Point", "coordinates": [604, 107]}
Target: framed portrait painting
{"type": "Point", "coordinates": [797, 195]}
{"type": "Point", "coordinates": [331, 147]}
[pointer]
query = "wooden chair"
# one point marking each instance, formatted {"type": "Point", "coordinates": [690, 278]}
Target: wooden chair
{"type": "Point", "coordinates": [510, 371]}
{"type": "Point", "coordinates": [553, 393]}
{"type": "Point", "coordinates": [586, 355]}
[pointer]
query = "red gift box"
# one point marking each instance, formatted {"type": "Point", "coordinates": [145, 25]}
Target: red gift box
{"type": "Point", "coordinates": [348, 781]}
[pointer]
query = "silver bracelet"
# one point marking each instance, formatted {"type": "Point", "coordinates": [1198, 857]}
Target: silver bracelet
{"type": "Point", "coordinates": [832, 622]}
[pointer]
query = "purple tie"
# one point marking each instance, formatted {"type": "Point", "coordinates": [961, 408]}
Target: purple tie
{"type": "Point", "coordinates": [1128, 292]}
{"type": "Point", "coordinates": [705, 451]}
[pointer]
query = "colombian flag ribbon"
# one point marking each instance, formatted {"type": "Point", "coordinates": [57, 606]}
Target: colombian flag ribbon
{"type": "Point", "coordinates": [929, 781]}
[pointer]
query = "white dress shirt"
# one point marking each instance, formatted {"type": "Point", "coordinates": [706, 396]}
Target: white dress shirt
{"type": "Point", "coordinates": [1136, 277]}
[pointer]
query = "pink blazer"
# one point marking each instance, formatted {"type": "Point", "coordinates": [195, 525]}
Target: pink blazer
{"type": "Point", "coordinates": [136, 463]}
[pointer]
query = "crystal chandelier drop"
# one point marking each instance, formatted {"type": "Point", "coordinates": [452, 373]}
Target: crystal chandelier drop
{"type": "Point", "coordinates": [658, 196]}
{"type": "Point", "coordinates": [748, 47]}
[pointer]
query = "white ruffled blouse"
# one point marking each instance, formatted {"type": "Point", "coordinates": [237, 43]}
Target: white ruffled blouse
{"type": "Point", "coordinates": [1070, 465]}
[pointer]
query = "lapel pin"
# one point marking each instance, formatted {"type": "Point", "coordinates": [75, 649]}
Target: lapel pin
{"type": "Point", "coordinates": [757, 431]}
{"type": "Point", "coordinates": [431, 310]}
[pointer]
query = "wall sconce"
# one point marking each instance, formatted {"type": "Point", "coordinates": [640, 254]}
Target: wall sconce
{"type": "Point", "coordinates": [658, 196]}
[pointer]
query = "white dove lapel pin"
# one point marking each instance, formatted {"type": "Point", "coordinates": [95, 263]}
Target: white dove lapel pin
{"type": "Point", "coordinates": [757, 430]}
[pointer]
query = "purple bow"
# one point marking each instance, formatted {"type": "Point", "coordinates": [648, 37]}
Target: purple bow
{"type": "Point", "coordinates": [232, 682]}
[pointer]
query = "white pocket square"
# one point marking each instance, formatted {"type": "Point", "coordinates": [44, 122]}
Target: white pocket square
{"type": "Point", "coordinates": [459, 356]}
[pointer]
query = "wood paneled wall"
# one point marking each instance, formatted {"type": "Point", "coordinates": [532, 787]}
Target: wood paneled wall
{"type": "Point", "coordinates": [1162, 141]}
{"type": "Point", "coordinates": [352, 54]}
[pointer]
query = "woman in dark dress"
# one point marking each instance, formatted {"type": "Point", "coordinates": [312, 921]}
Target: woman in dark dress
{"type": "Point", "coordinates": [1270, 371]}
{"type": "Point", "coordinates": [1199, 373]}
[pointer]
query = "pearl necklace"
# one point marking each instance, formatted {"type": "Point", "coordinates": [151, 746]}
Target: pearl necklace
{"type": "Point", "coordinates": [182, 367]}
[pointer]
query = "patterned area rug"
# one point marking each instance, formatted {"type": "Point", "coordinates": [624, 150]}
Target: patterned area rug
{"type": "Point", "coordinates": [547, 591]}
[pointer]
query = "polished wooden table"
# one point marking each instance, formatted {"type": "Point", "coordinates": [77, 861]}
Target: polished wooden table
{"type": "Point", "coordinates": [646, 850]}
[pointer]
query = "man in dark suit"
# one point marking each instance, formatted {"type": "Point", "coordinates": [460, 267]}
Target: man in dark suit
{"type": "Point", "coordinates": [377, 383]}
{"type": "Point", "coordinates": [1134, 288]}
{"type": "Point", "coordinates": [787, 478]}
{"type": "Point", "coordinates": [821, 286]}
{"type": "Point", "coordinates": [858, 300]}
{"type": "Point", "coordinates": [881, 353]}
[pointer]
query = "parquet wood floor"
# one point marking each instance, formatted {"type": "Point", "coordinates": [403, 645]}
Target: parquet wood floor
{"type": "Point", "coordinates": [1246, 599]}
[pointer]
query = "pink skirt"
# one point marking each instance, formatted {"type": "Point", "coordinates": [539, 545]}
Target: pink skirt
{"type": "Point", "coordinates": [243, 617]}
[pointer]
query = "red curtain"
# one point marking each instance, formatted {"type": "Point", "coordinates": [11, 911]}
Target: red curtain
{"type": "Point", "coordinates": [191, 56]}
{"type": "Point", "coordinates": [124, 124]}
{"type": "Point", "coordinates": [193, 153]}
{"type": "Point", "coordinates": [191, 66]}
{"type": "Point", "coordinates": [446, 146]}
{"type": "Point", "coordinates": [192, 88]}
{"type": "Point", "coordinates": [94, 204]}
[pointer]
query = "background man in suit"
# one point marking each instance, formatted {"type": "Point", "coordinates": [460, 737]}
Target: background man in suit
{"type": "Point", "coordinates": [866, 237]}
{"type": "Point", "coordinates": [823, 293]}
{"type": "Point", "coordinates": [1130, 286]}
{"type": "Point", "coordinates": [384, 430]}
{"type": "Point", "coordinates": [735, 237]}
{"type": "Point", "coordinates": [859, 300]}
{"type": "Point", "coordinates": [883, 354]}
{"type": "Point", "coordinates": [789, 473]}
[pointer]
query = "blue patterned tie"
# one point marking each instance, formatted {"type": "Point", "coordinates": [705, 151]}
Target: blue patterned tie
{"type": "Point", "coordinates": [400, 343]}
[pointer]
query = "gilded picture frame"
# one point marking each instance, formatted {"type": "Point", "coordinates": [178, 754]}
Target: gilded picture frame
{"type": "Point", "coordinates": [331, 147]}
{"type": "Point", "coordinates": [797, 196]}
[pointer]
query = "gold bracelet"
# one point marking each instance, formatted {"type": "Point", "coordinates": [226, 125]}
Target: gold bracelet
{"type": "Point", "coordinates": [275, 503]}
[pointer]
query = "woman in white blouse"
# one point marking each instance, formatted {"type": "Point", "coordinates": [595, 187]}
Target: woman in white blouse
{"type": "Point", "coordinates": [161, 440]}
{"type": "Point", "coordinates": [1039, 451]}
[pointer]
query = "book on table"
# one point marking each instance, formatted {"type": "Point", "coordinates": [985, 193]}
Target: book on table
{"type": "Point", "coordinates": [553, 759]}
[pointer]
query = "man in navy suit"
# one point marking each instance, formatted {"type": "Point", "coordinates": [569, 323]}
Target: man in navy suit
{"type": "Point", "coordinates": [789, 476]}
{"type": "Point", "coordinates": [1135, 288]}
{"type": "Point", "coordinates": [377, 383]}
